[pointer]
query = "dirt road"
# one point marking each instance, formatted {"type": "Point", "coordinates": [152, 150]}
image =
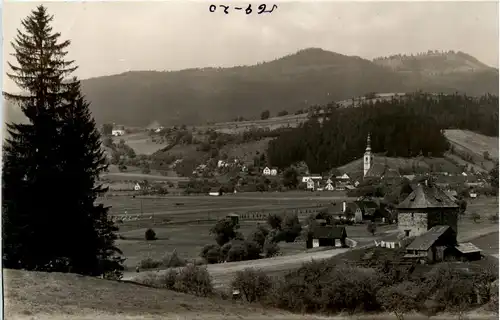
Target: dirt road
{"type": "Point", "coordinates": [223, 273]}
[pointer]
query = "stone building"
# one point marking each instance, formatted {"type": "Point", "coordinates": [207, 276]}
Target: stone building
{"type": "Point", "coordinates": [427, 206]}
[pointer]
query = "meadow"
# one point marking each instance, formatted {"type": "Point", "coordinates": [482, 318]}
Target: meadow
{"type": "Point", "coordinates": [182, 223]}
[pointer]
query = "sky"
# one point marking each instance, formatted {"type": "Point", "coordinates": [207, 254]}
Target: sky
{"type": "Point", "coordinates": [114, 37]}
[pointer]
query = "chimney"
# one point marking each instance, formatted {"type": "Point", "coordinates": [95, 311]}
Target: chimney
{"type": "Point", "coordinates": [344, 205]}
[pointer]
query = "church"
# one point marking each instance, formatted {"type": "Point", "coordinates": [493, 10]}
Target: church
{"type": "Point", "coordinates": [372, 170]}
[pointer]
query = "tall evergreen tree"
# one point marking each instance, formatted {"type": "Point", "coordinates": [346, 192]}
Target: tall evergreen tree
{"type": "Point", "coordinates": [51, 165]}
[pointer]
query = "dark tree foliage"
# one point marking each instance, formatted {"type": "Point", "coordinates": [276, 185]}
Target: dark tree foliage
{"type": "Point", "coordinates": [403, 127]}
{"type": "Point", "coordinates": [52, 164]}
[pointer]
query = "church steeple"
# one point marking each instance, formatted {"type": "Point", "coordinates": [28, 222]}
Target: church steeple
{"type": "Point", "coordinates": [368, 157]}
{"type": "Point", "coordinates": [368, 144]}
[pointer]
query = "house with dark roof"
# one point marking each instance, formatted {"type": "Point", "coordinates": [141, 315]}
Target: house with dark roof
{"type": "Point", "coordinates": [433, 245]}
{"type": "Point", "coordinates": [427, 206]}
{"type": "Point", "coordinates": [327, 236]}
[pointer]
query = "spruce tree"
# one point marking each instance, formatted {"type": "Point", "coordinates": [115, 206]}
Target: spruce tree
{"type": "Point", "coordinates": [52, 165]}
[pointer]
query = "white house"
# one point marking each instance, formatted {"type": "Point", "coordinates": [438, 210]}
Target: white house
{"type": "Point", "coordinates": [267, 171]}
{"type": "Point", "coordinates": [274, 172]}
{"type": "Point", "coordinates": [329, 181]}
{"type": "Point", "coordinates": [137, 187]}
{"type": "Point", "coordinates": [329, 187]}
{"type": "Point", "coordinates": [117, 133]}
{"type": "Point", "coordinates": [310, 184]}
{"type": "Point", "coordinates": [221, 163]}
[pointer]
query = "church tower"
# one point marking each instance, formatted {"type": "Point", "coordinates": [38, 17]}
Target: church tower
{"type": "Point", "coordinates": [368, 158]}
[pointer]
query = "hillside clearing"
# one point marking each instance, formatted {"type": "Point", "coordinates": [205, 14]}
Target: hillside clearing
{"type": "Point", "coordinates": [475, 142]}
{"type": "Point", "coordinates": [423, 163]}
{"type": "Point", "coordinates": [141, 142]}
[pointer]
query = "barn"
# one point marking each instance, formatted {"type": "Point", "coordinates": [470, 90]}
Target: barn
{"type": "Point", "coordinates": [327, 236]}
{"type": "Point", "coordinates": [433, 245]}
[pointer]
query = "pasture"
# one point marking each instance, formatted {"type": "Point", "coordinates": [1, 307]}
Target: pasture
{"type": "Point", "coordinates": [141, 142]}
{"type": "Point", "coordinates": [182, 223]}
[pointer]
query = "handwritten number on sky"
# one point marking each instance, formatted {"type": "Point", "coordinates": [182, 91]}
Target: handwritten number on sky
{"type": "Point", "coordinates": [248, 10]}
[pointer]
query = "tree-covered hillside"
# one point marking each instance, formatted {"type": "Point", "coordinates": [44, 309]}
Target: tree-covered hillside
{"type": "Point", "coordinates": [308, 77]}
{"type": "Point", "coordinates": [399, 127]}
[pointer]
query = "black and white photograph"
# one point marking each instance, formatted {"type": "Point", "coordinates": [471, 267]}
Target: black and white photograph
{"type": "Point", "coordinates": [223, 160]}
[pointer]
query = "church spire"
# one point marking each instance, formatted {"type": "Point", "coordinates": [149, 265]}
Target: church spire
{"type": "Point", "coordinates": [368, 143]}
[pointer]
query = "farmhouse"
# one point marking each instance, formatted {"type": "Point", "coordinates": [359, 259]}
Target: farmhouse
{"type": "Point", "coordinates": [327, 236]}
{"type": "Point", "coordinates": [117, 132]}
{"type": "Point", "coordinates": [266, 171]}
{"type": "Point", "coordinates": [432, 246]}
{"type": "Point", "coordinates": [215, 192]}
{"type": "Point", "coordinates": [427, 206]}
{"type": "Point", "coordinates": [137, 187]}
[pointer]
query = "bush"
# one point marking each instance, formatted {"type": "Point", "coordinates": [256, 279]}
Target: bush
{"type": "Point", "coordinates": [271, 249]}
{"type": "Point", "coordinates": [400, 299]}
{"type": "Point", "coordinates": [493, 218]}
{"type": "Point", "coordinates": [149, 263]}
{"type": "Point", "coordinates": [150, 235]}
{"type": "Point", "coordinates": [211, 253]}
{"type": "Point", "coordinates": [172, 260]}
{"type": "Point", "coordinates": [194, 280]}
{"type": "Point", "coordinates": [274, 220]}
{"type": "Point", "coordinates": [238, 252]}
{"type": "Point", "coordinates": [213, 256]}
{"type": "Point", "coordinates": [224, 250]}
{"type": "Point", "coordinates": [162, 280]}
{"type": "Point", "coordinates": [259, 235]}
{"type": "Point", "coordinates": [252, 284]}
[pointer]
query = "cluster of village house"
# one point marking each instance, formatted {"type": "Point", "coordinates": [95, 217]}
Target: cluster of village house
{"type": "Point", "coordinates": [427, 225]}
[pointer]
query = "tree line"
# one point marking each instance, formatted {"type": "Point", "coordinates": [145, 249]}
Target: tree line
{"type": "Point", "coordinates": [405, 127]}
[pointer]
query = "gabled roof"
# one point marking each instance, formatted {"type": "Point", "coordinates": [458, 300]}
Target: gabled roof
{"type": "Point", "coordinates": [392, 173]}
{"type": "Point", "coordinates": [376, 171]}
{"type": "Point", "coordinates": [426, 240]}
{"type": "Point", "coordinates": [424, 196]}
{"type": "Point", "coordinates": [329, 232]}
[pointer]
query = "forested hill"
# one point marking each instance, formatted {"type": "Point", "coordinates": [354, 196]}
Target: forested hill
{"type": "Point", "coordinates": [399, 128]}
{"type": "Point", "coordinates": [308, 77]}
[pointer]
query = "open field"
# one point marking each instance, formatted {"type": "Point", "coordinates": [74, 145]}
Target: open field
{"type": "Point", "coordinates": [474, 142]}
{"type": "Point", "coordinates": [468, 143]}
{"type": "Point", "coordinates": [164, 214]}
{"type": "Point", "coordinates": [189, 239]}
{"type": "Point", "coordinates": [202, 205]}
{"type": "Point", "coordinates": [56, 296]}
{"type": "Point", "coordinates": [425, 163]}
{"type": "Point", "coordinates": [140, 142]}
{"type": "Point", "coordinates": [488, 243]}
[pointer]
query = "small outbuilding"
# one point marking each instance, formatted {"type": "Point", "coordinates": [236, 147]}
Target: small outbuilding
{"type": "Point", "coordinates": [327, 236]}
{"type": "Point", "coordinates": [234, 217]}
{"type": "Point", "coordinates": [430, 247]}
{"type": "Point", "coordinates": [468, 252]}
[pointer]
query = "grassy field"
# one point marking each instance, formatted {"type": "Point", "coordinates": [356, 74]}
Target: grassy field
{"type": "Point", "coordinates": [473, 144]}
{"type": "Point", "coordinates": [189, 238]}
{"type": "Point", "coordinates": [488, 243]}
{"type": "Point", "coordinates": [425, 163]}
{"type": "Point", "coordinates": [140, 142]}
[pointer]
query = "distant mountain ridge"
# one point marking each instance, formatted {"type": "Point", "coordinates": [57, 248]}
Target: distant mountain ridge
{"type": "Point", "coordinates": [307, 77]}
